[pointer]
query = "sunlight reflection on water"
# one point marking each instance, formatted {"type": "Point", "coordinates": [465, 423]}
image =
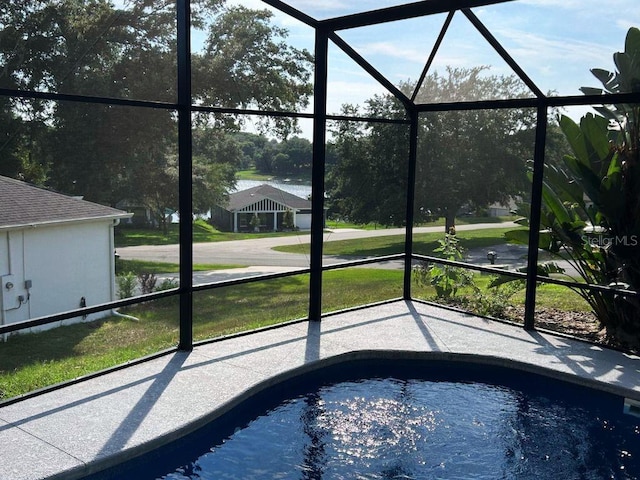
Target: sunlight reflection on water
{"type": "Point", "coordinates": [415, 429]}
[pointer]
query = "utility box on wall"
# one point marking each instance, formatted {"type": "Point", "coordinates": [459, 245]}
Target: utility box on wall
{"type": "Point", "coordinates": [8, 284]}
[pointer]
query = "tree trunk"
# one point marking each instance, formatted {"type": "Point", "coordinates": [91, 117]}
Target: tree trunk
{"type": "Point", "coordinates": [450, 222]}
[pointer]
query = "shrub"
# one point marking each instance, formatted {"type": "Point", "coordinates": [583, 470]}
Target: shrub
{"type": "Point", "coordinates": [127, 283]}
{"type": "Point", "coordinates": [591, 200]}
{"type": "Point", "coordinates": [147, 282]}
{"type": "Point", "coordinates": [445, 279]}
{"type": "Point", "coordinates": [167, 284]}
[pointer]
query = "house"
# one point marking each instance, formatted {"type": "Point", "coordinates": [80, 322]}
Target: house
{"type": "Point", "coordinates": [503, 209]}
{"type": "Point", "coordinates": [56, 253]}
{"type": "Point", "coordinates": [269, 203]}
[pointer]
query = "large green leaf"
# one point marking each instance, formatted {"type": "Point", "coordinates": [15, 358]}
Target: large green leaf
{"type": "Point", "coordinates": [608, 79]}
{"type": "Point", "coordinates": [612, 193]}
{"type": "Point", "coordinates": [624, 64]}
{"type": "Point", "coordinates": [567, 188]}
{"type": "Point", "coordinates": [574, 136]}
{"type": "Point", "coordinates": [632, 52]}
{"type": "Point", "coordinates": [547, 241]}
{"type": "Point", "coordinates": [595, 130]}
{"type": "Point", "coordinates": [589, 142]}
{"type": "Point", "coordinates": [632, 41]}
{"type": "Point", "coordinates": [615, 167]}
{"type": "Point", "coordinates": [607, 113]}
{"type": "Point", "coordinates": [591, 90]}
{"type": "Point", "coordinates": [555, 205]}
{"type": "Point", "coordinates": [521, 237]}
{"type": "Point", "coordinates": [587, 179]}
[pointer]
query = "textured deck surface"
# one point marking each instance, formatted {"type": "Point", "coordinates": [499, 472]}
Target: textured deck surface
{"type": "Point", "coordinates": [84, 427]}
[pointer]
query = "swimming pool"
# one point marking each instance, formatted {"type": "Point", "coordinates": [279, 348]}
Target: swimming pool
{"type": "Point", "coordinates": [408, 419]}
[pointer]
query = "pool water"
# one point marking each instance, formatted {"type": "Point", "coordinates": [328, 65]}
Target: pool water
{"type": "Point", "coordinates": [410, 427]}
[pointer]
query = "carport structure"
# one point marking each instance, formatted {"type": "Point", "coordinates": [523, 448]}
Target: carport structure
{"type": "Point", "coordinates": [329, 31]}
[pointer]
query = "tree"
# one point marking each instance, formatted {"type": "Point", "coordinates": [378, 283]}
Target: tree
{"type": "Point", "coordinates": [471, 158]}
{"type": "Point", "coordinates": [216, 158]}
{"type": "Point", "coordinates": [11, 140]}
{"type": "Point", "coordinates": [287, 220]}
{"type": "Point", "coordinates": [298, 153]}
{"type": "Point", "coordinates": [109, 153]}
{"type": "Point", "coordinates": [368, 181]}
{"type": "Point", "coordinates": [246, 63]}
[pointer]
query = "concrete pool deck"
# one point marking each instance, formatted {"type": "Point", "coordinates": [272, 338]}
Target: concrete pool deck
{"type": "Point", "coordinates": [84, 427]}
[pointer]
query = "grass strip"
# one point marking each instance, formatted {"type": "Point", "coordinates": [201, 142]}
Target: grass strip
{"type": "Point", "coordinates": [423, 243]}
{"type": "Point", "coordinates": [144, 266]}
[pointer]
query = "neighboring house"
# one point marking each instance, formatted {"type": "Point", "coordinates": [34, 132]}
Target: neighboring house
{"type": "Point", "coordinates": [143, 216]}
{"type": "Point", "coordinates": [269, 203]}
{"type": "Point", "coordinates": [502, 210]}
{"type": "Point", "coordinates": [56, 253]}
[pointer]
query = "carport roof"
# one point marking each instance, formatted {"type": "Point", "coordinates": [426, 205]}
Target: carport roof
{"type": "Point", "coordinates": [24, 205]}
{"type": "Point", "coordinates": [247, 197]}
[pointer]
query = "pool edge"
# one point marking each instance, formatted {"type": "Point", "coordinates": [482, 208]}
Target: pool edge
{"type": "Point", "coordinates": [102, 464]}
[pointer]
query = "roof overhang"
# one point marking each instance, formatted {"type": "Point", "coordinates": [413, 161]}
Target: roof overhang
{"type": "Point", "coordinates": [52, 223]}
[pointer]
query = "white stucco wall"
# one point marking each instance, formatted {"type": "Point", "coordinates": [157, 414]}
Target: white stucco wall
{"type": "Point", "coordinates": [64, 263]}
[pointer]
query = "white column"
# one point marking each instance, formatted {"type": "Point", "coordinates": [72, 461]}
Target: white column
{"type": "Point", "coordinates": [235, 222]}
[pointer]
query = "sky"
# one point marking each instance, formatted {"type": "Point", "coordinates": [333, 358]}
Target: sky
{"type": "Point", "coordinates": [556, 42]}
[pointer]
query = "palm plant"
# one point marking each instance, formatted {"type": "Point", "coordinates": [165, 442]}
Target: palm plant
{"type": "Point", "coordinates": [591, 200]}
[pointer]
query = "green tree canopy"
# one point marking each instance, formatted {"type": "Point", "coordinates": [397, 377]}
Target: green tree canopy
{"type": "Point", "coordinates": [465, 158]}
{"type": "Point", "coordinates": [109, 153]}
{"type": "Point", "coordinates": [367, 183]}
{"type": "Point", "coordinates": [472, 158]}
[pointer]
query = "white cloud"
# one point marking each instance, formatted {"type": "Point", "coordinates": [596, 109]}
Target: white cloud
{"type": "Point", "coordinates": [340, 92]}
{"type": "Point", "coordinates": [564, 4]}
{"type": "Point", "coordinates": [392, 50]}
{"type": "Point", "coordinates": [546, 47]}
{"type": "Point", "coordinates": [626, 23]}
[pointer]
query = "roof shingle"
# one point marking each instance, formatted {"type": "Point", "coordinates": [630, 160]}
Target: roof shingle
{"type": "Point", "coordinates": [22, 204]}
{"type": "Point", "coordinates": [247, 197]}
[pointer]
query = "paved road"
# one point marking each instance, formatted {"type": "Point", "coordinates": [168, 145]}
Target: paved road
{"type": "Point", "coordinates": [259, 251]}
{"type": "Point", "coordinates": [260, 258]}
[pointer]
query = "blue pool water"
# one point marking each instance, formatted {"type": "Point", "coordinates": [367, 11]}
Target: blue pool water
{"type": "Point", "coordinates": [410, 420]}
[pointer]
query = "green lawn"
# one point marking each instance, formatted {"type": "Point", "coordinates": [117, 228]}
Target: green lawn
{"type": "Point", "coordinates": [424, 243]}
{"type": "Point", "coordinates": [253, 174]}
{"type": "Point", "coordinates": [440, 222]}
{"type": "Point", "coordinates": [32, 361]}
{"type": "Point", "coordinates": [142, 266]}
{"type": "Point", "coordinates": [126, 236]}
